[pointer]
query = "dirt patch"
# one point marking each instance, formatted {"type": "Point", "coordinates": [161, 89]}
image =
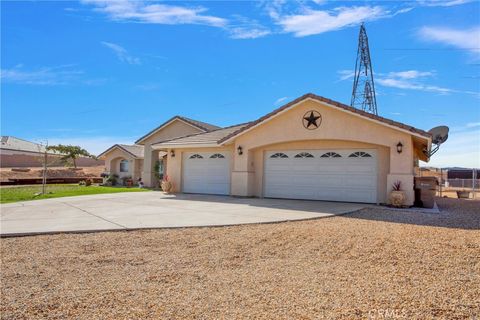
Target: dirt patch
{"type": "Point", "coordinates": [54, 172]}
{"type": "Point", "coordinates": [362, 265]}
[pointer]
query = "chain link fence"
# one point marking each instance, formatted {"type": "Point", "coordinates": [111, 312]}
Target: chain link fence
{"type": "Point", "coordinates": [461, 184]}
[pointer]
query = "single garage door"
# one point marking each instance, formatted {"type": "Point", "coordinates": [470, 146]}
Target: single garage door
{"type": "Point", "coordinates": [335, 175]}
{"type": "Point", "coordinates": [206, 172]}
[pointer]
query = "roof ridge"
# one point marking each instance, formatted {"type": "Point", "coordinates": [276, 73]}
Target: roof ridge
{"type": "Point", "coordinates": [200, 133]}
{"type": "Point", "coordinates": [198, 122]}
{"type": "Point", "coordinates": [191, 122]}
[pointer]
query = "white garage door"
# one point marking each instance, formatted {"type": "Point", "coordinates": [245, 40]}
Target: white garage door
{"type": "Point", "coordinates": [206, 172]}
{"type": "Point", "coordinates": [336, 175]}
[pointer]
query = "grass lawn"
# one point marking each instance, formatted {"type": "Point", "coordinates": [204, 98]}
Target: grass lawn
{"type": "Point", "coordinates": [24, 193]}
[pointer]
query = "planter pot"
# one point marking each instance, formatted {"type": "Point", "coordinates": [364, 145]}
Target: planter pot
{"type": "Point", "coordinates": [167, 186]}
{"type": "Point", "coordinates": [463, 194]}
{"type": "Point", "coordinates": [397, 198]}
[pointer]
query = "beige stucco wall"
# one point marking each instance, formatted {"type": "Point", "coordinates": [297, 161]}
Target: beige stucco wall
{"type": "Point", "coordinates": [175, 129]}
{"type": "Point", "coordinates": [338, 128]}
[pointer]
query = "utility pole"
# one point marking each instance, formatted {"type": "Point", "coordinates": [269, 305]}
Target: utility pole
{"type": "Point", "coordinates": [45, 165]}
{"type": "Point", "coordinates": [363, 93]}
{"type": "Point", "coordinates": [44, 180]}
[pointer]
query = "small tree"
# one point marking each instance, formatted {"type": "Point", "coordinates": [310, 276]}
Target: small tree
{"type": "Point", "coordinates": [71, 152]}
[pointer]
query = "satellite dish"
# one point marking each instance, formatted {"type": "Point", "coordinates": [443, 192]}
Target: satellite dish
{"type": "Point", "coordinates": [439, 134]}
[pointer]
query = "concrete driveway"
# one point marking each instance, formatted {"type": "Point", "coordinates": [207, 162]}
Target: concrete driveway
{"type": "Point", "coordinates": [128, 211]}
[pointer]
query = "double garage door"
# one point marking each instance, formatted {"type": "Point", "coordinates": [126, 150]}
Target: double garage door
{"type": "Point", "coordinates": [206, 172]}
{"type": "Point", "coordinates": [336, 175]}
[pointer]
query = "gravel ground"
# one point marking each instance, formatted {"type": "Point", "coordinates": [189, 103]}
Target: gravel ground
{"type": "Point", "coordinates": [367, 264]}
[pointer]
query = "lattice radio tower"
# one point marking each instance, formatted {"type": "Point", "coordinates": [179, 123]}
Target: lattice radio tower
{"type": "Point", "coordinates": [363, 94]}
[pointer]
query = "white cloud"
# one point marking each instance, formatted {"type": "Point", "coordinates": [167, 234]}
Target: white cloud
{"type": "Point", "coordinates": [280, 100]}
{"type": "Point", "coordinates": [247, 33]}
{"type": "Point", "coordinates": [345, 74]}
{"type": "Point", "coordinates": [466, 39]}
{"type": "Point", "coordinates": [58, 75]}
{"type": "Point", "coordinates": [405, 84]}
{"type": "Point", "coordinates": [462, 149]}
{"type": "Point", "coordinates": [311, 22]}
{"type": "Point", "coordinates": [245, 28]}
{"type": "Point", "coordinates": [121, 53]}
{"type": "Point", "coordinates": [473, 124]}
{"type": "Point", "coordinates": [414, 80]}
{"type": "Point", "coordinates": [407, 80]}
{"type": "Point", "coordinates": [158, 13]}
{"type": "Point", "coordinates": [442, 3]}
{"type": "Point", "coordinates": [411, 74]}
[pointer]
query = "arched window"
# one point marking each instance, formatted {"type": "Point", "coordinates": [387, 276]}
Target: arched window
{"type": "Point", "coordinates": [304, 155]}
{"type": "Point", "coordinates": [196, 156]}
{"type": "Point", "coordinates": [331, 155]}
{"type": "Point", "coordinates": [124, 165]}
{"type": "Point", "coordinates": [360, 154]}
{"type": "Point", "coordinates": [278, 155]}
{"type": "Point", "coordinates": [217, 156]}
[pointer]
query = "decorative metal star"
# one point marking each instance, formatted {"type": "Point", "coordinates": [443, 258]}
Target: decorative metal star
{"type": "Point", "coordinates": [311, 120]}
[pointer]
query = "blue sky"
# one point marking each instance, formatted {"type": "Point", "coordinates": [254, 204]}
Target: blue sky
{"type": "Point", "coordinates": [95, 73]}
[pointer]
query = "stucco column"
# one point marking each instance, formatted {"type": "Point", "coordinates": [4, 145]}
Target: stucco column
{"type": "Point", "coordinates": [148, 176]}
{"type": "Point", "coordinates": [108, 166]}
{"type": "Point", "coordinates": [401, 169]}
{"type": "Point", "coordinates": [242, 174]}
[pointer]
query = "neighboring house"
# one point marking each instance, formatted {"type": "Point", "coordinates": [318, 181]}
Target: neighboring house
{"type": "Point", "coordinates": [311, 148]}
{"type": "Point", "coordinates": [124, 160]}
{"type": "Point", "coordinates": [19, 153]}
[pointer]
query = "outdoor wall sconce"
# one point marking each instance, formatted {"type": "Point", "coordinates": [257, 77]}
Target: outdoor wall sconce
{"type": "Point", "coordinates": [399, 147]}
{"type": "Point", "coordinates": [240, 150]}
{"type": "Point", "coordinates": [172, 153]}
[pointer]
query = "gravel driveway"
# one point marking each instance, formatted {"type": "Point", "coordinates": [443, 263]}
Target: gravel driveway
{"type": "Point", "coordinates": [361, 265]}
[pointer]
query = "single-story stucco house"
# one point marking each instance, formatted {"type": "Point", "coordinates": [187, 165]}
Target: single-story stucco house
{"type": "Point", "coordinates": [310, 148]}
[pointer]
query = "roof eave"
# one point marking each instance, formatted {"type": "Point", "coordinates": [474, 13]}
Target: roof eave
{"type": "Point", "coordinates": [163, 125]}
{"type": "Point", "coordinates": [163, 146]}
{"type": "Point", "coordinates": [118, 147]}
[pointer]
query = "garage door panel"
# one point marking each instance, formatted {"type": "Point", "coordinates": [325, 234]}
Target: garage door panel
{"type": "Point", "coordinates": [303, 167]}
{"type": "Point", "coordinates": [359, 169]}
{"type": "Point", "coordinates": [362, 183]}
{"type": "Point", "coordinates": [299, 181]}
{"type": "Point", "coordinates": [337, 178]}
{"type": "Point", "coordinates": [206, 175]}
